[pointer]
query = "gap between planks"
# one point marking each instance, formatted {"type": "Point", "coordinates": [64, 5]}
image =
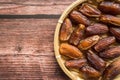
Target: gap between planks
{"type": "Point", "coordinates": [40, 16]}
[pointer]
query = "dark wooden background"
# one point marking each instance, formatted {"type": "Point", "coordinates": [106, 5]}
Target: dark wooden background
{"type": "Point", "coordinates": [26, 39]}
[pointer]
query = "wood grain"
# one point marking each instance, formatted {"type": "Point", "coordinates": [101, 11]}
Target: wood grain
{"type": "Point", "coordinates": [26, 39]}
{"type": "Point", "coordinates": [28, 7]}
{"type": "Point", "coordinates": [26, 50]}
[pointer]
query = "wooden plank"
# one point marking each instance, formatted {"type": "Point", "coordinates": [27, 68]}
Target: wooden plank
{"type": "Point", "coordinates": [28, 7]}
{"type": "Point", "coordinates": [27, 32]}
{"type": "Point", "coordinates": [26, 50]}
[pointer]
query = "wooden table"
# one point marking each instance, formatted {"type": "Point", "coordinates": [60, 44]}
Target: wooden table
{"type": "Point", "coordinates": [26, 39]}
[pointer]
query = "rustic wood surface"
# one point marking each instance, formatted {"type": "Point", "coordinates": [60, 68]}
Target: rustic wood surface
{"type": "Point", "coordinates": [26, 39]}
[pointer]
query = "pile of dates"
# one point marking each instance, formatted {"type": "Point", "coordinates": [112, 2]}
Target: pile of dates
{"type": "Point", "coordinates": [90, 39]}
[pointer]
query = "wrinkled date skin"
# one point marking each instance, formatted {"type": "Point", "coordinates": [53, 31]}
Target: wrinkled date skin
{"type": "Point", "coordinates": [97, 62]}
{"type": "Point", "coordinates": [116, 32]}
{"type": "Point", "coordinates": [96, 29]}
{"type": "Point", "coordinates": [112, 70]}
{"type": "Point", "coordinates": [77, 35]}
{"type": "Point", "coordinates": [111, 53]}
{"type": "Point", "coordinates": [104, 43]}
{"type": "Point", "coordinates": [90, 73]}
{"type": "Point", "coordinates": [110, 7]}
{"type": "Point", "coordinates": [88, 42]}
{"type": "Point", "coordinates": [79, 18]}
{"type": "Point", "coordinates": [66, 30]}
{"type": "Point", "coordinates": [70, 51]}
{"type": "Point", "coordinates": [110, 19]}
{"type": "Point", "coordinates": [76, 64]}
{"type": "Point", "coordinates": [89, 10]}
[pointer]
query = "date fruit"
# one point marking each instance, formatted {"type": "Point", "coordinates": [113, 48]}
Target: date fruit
{"type": "Point", "coordinates": [109, 7]}
{"type": "Point", "coordinates": [96, 28]}
{"type": "Point", "coordinates": [116, 32]}
{"type": "Point", "coordinates": [111, 53]}
{"type": "Point", "coordinates": [79, 18]}
{"type": "Point", "coordinates": [96, 61]}
{"type": "Point", "coordinates": [104, 43]}
{"type": "Point", "coordinates": [77, 35]}
{"type": "Point", "coordinates": [110, 19]}
{"type": "Point", "coordinates": [89, 10]}
{"type": "Point", "coordinates": [89, 72]}
{"type": "Point", "coordinates": [112, 70]}
{"type": "Point", "coordinates": [78, 63]}
{"type": "Point", "coordinates": [88, 42]}
{"type": "Point", "coordinates": [70, 51]}
{"type": "Point", "coordinates": [66, 30]}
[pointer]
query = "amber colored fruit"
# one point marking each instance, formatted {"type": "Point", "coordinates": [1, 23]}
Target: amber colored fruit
{"type": "Point", "coordinates": [66, 30]}
{"type": "Point", "coordinates": [79, 18]}
{"type": "Point", "coordinates": [89, 10]}
{"type": "Point", "coordinates": [110, 19]}
{"type": "Point", "coordinates": [88, 42]}
{"type": "Point", "coordinates": [77, 35]}
{"type": "Point", "coordinates": [70, 51]}
{"type": "Point", "coordinates": [90, 73]}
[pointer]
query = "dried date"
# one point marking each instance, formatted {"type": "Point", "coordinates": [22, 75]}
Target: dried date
{"type": "Point", "coordinates": [110, 7]}
{"type": "Point", "coordinates": [78, 63]}
{"type": "Point", "coordinates": [66, 30]}
{"type": "Point", "coordinates": [104, 43]}
{"type": "Point", "coordinates": [79, 18]}
{"type": "Point", "coordinates": [110, 19]}
{"type": "Point", "coordinates": [96, 29]}
{"type": "Point", "coordinates": [90, 10]}
{"type": "Point", "coordinates": [112, 70]}
{"type": "Point", "coordinates": [88, 42]}
{"type": "Point", "coordinates": [77, 35]}
{"type": "Point", "coordinates": [111, 53]}
{"type": "Point", "coordinates": [70, 51]}
{"type": "Point", "coordinates": [116, 32]}
{"type": "Point", "coordinates": [96, 61]}
{"type": "Point", "coordinates": [90, 73]}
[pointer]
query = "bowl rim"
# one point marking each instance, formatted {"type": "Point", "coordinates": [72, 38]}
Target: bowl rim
{"type": "Point", "coordinates": [56, 39]}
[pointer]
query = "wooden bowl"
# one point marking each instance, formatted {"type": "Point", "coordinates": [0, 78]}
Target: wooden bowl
{"type": "Point", "coordinates": [72, 75]}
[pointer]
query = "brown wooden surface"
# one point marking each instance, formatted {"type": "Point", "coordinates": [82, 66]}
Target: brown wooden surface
{"type": "Point", "coordinates": [33, 6]}
{"type": "Point", "coordinates": [26, 40]}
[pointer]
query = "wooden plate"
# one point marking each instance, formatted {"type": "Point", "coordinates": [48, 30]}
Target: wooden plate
{"type": "Point", "coordinates": [73, 75]}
